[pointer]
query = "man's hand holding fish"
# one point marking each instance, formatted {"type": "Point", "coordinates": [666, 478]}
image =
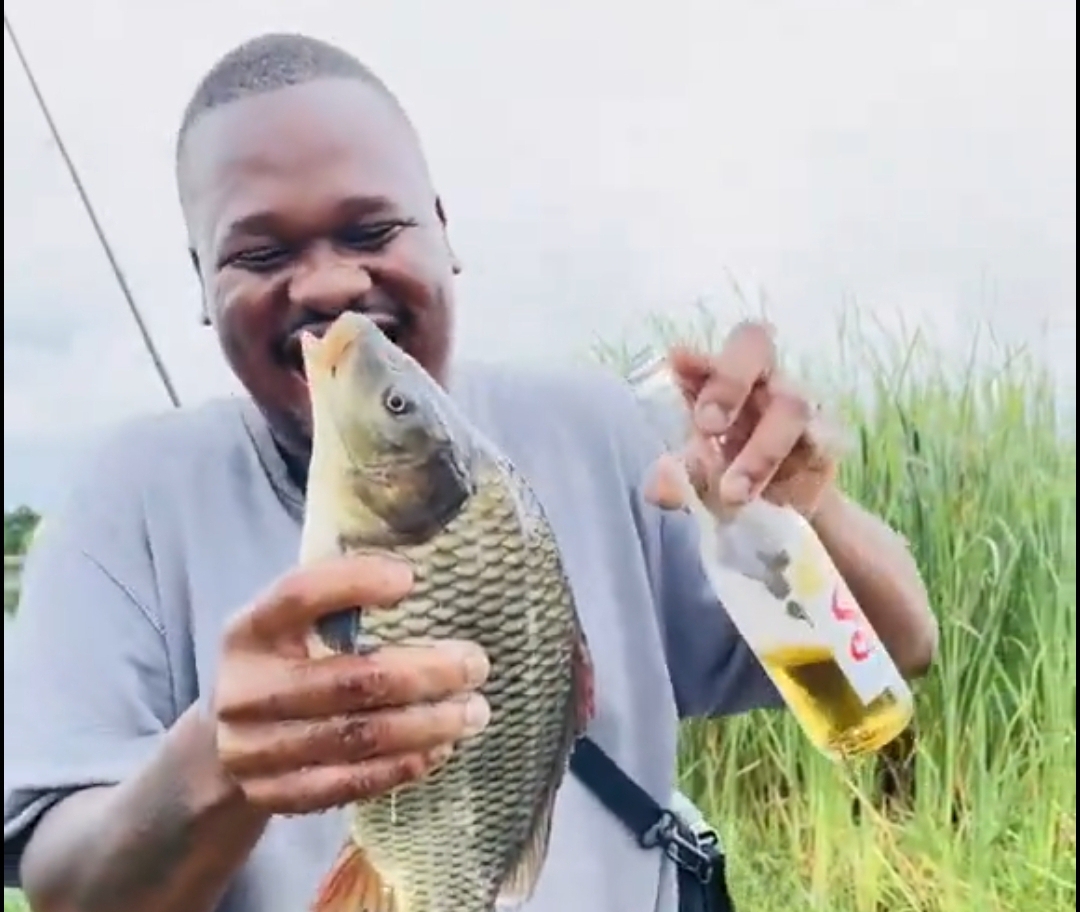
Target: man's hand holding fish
{"type": "Point", "coordinates": [300, 736]}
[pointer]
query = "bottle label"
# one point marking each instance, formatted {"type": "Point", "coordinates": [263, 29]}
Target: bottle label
{"type": "Point", "coordinates": [840, 620]}
{"type": "Point", "coordinates": [858, 651]}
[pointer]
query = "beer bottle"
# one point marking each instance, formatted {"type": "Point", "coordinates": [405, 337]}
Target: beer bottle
{"type": "Point", "coordinates": [788, 601]}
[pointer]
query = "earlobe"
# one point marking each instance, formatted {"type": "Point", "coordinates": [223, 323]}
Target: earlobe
{"type": "Point", "coordinates": [204, 313]}
{"type": "Point", "coordinates": [440, 211]}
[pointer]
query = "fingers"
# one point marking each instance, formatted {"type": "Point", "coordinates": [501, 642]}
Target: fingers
{"type": "Point", "coordinates": [739, 400]}
{"type": "Point", "coordinates": [264, 750]}
{"type": "Point", "coordinates": [725, 382]}
{"type": "Point", "coordinates": [267, 687]}
{"type": "Point", "coordinates": [300, 598]}
{"type": "Point", "coordinates": [665, 487]}
{"type": "Point", "coordinates": [783, 423]}
{"type": "Point", "coordinates": [318, 788]}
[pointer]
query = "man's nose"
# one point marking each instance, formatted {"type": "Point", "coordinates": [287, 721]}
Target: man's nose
{"type": "Point", "coordinates": [329, 284]}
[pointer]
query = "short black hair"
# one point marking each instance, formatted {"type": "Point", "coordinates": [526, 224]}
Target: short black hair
{"type": "Point", "coordinates": [269, 62]}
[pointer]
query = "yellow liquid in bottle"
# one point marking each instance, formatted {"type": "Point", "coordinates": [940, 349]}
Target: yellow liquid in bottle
{"type": "Point", "coordinates": [827, 706]}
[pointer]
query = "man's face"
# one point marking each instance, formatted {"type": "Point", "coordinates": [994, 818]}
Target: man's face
{"type": "Point", "coordinates": [303, 203]}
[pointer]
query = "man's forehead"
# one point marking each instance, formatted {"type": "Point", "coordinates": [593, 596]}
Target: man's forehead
{"type": "Point", "coordinates": [333, 130]}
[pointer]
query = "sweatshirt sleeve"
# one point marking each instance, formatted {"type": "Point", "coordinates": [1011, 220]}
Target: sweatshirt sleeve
{"type": "Point", "coordinates": [87, 684]}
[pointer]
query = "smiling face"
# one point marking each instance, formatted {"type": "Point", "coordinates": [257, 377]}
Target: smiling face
{"type": "Point", "coordinates": [303, 203]}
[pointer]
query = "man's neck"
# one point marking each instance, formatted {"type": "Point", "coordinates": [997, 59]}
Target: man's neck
{"type": "Point", "coordinates": [296, 467]}
{"type": "Point", "coordinates": [296, 458]}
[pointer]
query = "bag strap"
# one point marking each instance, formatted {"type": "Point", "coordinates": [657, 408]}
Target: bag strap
{"type": "Point", "coordinates": [695, 854]}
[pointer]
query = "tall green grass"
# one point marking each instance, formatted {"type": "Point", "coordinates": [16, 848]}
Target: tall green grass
{"type": "Point", "coordinates": [974, 465]}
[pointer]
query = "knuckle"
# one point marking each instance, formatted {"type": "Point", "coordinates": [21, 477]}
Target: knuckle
{"type": "Point", "coordinates": [794, 404]}
{"type": "Point", "coordinates": [725, 388]}
{"type": "Point", "coordinates": [382, 577]}
{"type": "Point", "coordinates": [229, 747]}
{"type": "Point", "coordinates": [370, 685]}
{"type": "Point", "coordinates": [364, 736]}
{"type": "Point", "coordinates": [412, 766]}
{"type": "Point", "coordinates": [391, 576]}
{"type": "Point", "coordinates": [358, 783]}
{"type": "Point", "coordinates": [261, 794]}
{"type": "Point", "coordinates": [762, 468]}
{"type": "Point", "coordinates": [290, 592]}
{"type": "Point", "coordinates": [231, 698]}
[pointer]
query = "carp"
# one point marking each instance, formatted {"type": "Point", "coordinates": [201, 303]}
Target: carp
{"type": "Point", "coordinates": [395, 467]}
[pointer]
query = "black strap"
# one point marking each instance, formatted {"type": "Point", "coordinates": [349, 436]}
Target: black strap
{"type": "Point", "coordinates": [696, 855]}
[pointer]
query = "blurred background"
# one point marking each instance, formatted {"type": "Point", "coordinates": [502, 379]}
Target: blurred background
{"type": "Point", "coordinates": [599, 161]}
{"type": "Point", "coordinates": [893, 184]}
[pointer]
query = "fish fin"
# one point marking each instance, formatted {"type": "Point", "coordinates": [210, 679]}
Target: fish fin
{"type": "Point", "coordinates": [522, 877]}
{"type": "Point", "coordinates": [354, 885]}
{"type": "Point", "coordinates": [584, 685]}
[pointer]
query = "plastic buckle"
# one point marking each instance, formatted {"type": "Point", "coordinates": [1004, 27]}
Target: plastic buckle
{"type": "Point", "coordinates": [695, 853]}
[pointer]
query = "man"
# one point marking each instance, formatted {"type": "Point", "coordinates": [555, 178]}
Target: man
{"type": "Point", "coordinates": [163, 725]}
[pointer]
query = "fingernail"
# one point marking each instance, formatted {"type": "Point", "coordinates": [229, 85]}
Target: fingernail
{"type": "Point", "coordinates": [711, 418]}
{"type": "Point", "coordinates": [664, 488]}
{"type": "Point", "coordinates": [477, 667]}
{"type": "Point", "coordinates": [441, 754]}
{"type": "Point", "coordinates": [734, 488]}
{"type": "Point", "coordinates": [477, 715]}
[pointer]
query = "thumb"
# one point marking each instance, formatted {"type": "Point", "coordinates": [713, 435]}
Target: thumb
{"type": "Point", "coordinates": [667, 483]}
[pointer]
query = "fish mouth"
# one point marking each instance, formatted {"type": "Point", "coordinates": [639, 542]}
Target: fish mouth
{"type": "Point", "coordinates": [392, 323]}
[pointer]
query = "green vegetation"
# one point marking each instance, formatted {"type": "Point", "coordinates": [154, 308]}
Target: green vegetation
{"type": "Point", "coordinates": [19, 526]}
{"type": "Point", "coordinates": [977, 469]}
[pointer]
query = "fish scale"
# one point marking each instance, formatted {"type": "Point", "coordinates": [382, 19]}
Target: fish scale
{"type": "Point", "coordinates": [394, 466]}
{"type": "Point", "coordinates": [467, 817]}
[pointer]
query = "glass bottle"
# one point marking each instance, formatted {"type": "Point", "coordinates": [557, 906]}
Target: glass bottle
{"type": "Point", "coordinates": [789, 602]}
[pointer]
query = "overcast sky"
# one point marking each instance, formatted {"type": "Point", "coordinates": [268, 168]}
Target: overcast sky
{"type": "Point", "coordinates": [599, 160]}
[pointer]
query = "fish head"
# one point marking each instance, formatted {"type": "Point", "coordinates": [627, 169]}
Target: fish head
{"type": "Point", "coordinates": [405, 458]}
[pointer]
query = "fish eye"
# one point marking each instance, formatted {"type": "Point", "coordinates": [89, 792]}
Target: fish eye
{"type": "Point", "coordinates": [397, 404]}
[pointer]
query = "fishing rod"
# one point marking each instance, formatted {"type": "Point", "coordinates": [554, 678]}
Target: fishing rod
{"type": "Point", "coordinates": [144, 330]}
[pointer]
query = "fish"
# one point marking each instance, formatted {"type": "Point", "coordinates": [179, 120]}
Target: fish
{"type": "Point", "coordinates": [395, 467]}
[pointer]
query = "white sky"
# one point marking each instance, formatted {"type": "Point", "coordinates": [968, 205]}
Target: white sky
{"type": "Point", "coordinates": [598, 161]}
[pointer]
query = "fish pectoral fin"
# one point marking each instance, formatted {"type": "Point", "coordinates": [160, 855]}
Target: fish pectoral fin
{"type": "Point", "coordinates": [521, 880]}
{"type": "Point", "coordinates": [354, 885]}
{"type": "Point", "coordinates": [584, 685]}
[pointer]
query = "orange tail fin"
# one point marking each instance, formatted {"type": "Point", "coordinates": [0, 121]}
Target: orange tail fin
{"type": "Point", "coordinates": [354, 885]}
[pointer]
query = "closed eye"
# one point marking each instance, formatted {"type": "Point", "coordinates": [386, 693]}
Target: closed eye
{"type": "Point", "coordinates": [261, 259]}
{"type": "Point", "coordinates": [372, 236]}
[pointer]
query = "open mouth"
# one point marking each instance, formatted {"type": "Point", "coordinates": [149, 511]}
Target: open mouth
{"type": "Point", "coordinates": [391, 325]}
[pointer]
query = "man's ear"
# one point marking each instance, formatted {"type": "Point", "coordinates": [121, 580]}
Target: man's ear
{"type": "Point", "coordinates": [440, 211]}
{"type": "Point", "coordinates": [204, 315]}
